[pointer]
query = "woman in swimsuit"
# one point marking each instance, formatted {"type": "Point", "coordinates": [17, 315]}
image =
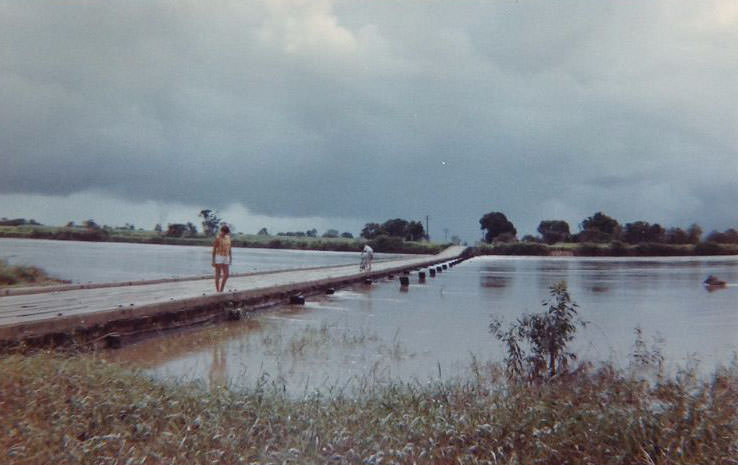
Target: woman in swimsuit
{"type": "Point", "coordinates": [222, 257]}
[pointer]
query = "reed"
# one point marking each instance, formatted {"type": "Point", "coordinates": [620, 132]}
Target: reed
{"type": "Point", "coordinates": [65, 409]}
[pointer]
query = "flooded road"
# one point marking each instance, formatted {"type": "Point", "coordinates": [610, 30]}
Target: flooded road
{"type": "Point", "coordinates": [382, 333]}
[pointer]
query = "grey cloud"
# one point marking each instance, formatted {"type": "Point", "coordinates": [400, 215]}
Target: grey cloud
{"type": "Point", "coordinates": [350, 110]}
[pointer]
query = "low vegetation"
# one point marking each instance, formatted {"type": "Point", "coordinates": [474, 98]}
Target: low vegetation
{"type": "Point", "coordinates": [19, 275]}
{"type": "Point", "coordinates": [546, 334]}
{"type": "Point", "coordinates": [611, 249]}
{"type": "Point", "coordinates": [79, 410]}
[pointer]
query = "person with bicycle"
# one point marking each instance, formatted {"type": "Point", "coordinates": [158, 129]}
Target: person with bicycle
{"type": "Point", "coordinates": [367, 255]}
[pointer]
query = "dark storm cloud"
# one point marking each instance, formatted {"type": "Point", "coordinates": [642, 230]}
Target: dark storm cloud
{"type": "Point", "coordinates": [376, 110]}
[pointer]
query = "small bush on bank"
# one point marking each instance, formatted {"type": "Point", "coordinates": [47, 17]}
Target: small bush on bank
{"type": "Point", "coordinates": [19, 275]}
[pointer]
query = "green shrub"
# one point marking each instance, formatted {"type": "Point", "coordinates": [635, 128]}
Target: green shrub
{"type": "Point", "coordinates": [546, 334]}
{"type": "Point", "coordinates": [10, 275]}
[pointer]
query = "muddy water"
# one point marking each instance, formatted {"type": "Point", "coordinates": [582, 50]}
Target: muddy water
{"type": "Point", "coordinates": [382, 333]}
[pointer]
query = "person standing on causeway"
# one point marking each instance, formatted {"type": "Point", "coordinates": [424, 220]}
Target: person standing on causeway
{"type": "Point", "coordinates": [222, 257]}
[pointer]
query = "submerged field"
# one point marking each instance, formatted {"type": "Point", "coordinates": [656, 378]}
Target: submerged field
{"type": "Point", "coordinates": [70, 409]}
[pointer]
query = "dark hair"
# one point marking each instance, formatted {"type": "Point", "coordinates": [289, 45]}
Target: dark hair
{"type": "Point", "coordinates": [225, 229]}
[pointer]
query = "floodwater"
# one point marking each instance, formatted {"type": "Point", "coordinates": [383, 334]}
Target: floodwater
{"type": "Point", "coordinates": [382, 333]}
{"type": "Point", "coordinates": [102, 262]}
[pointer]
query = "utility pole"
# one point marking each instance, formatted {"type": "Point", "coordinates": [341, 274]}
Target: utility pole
{"type": "Point", "coordinates": [427, 228]}
{"type": "Point", "coordinates": [445, 234]}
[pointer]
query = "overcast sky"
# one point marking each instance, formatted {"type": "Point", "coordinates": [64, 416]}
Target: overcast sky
{"type": "Point", "coordinates": [294, 114]}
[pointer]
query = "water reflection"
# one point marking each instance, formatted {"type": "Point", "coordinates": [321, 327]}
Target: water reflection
{"type": "Point", "coordinates": [495, 277]}
{"type": "Point", "coordinates": [598, 279]}
{"type": "Point", "coordinates": [217, 372]}
{"type": "Point", "coordinates": [551, 271]}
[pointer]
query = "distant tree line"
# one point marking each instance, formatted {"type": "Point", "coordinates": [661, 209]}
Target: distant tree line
{"type": "Point", "coordinates": [399, 228]}
{"type": "Point", "coordinates": [329, 234]}
{"type": "Point", "coordinates": [18, 222]}
{"type": "Point", "coordinates": [601, 228]}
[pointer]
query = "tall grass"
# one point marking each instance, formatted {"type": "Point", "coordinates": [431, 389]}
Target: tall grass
{"type": "Point", "coordinates": [79, 410]}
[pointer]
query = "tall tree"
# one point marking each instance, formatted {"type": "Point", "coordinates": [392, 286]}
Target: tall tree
{"type": "Point", "coordinates": [210, 222]}
{"type": "Point", "coordinates": [396, 227]}
{"type": "Point", "coordinates": [676, 236]}
{"type": "Point", "coordinates": [694, 232]}
{"type": "Point", "coordinates": [496, 224]}
{"type": "Point", "coordinates": [371, 230]}
{"type": "Point", "coordinates": [642, 231]}
{"type": "Point", "coordinates": [599, 228]}
{"type": "Point", "coordinates": [601, 222]}
{"type": "Point", "coordinates": [415, 231]}
{"type": "Point", "coordinates": [553, 231]}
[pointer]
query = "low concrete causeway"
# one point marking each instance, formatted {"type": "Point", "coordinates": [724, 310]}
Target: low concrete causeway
{"type": "Point", "coordinates": [105, 315]}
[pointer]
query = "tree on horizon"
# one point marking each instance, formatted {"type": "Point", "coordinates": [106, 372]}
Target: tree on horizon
{"type": "Point", "coordinates": [210, 222]}
{"type": "Point", "coordinates": [498, 227]}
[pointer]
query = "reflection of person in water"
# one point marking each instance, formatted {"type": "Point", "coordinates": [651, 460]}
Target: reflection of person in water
{"type": "Point", "coordinates": [217, 373]}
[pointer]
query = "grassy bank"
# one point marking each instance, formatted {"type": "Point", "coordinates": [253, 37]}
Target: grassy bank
{"type": "Point", "coordinates": [24, 276]}
{"type": "Point", "coordinates": [78, 410]}
{"type": "Point", "coordinates": [380, 244]}
{"type": "Point", "coordinates": [613, 249]}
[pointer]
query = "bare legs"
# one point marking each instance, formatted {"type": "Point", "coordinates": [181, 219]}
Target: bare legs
{"type": "Point", "coordinates": [221, 276]}
{"type": "Point", "coordinates": [226, 272]}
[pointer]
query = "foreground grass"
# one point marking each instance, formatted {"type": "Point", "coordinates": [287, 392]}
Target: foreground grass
{"type": "Point", "coordinates": [24, 276]}
{"type": "Point", "coordinates": [77, 409]}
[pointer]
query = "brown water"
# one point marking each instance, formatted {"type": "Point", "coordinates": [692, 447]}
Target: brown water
{"type": "Point", "coordinates": [381, 333]}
